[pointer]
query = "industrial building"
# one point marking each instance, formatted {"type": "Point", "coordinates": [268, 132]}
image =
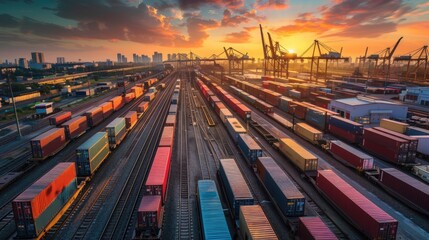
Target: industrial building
{"type": "Point", "coordinates": [367, 110]}
{"type": "Point", "coordinates": [419, 95]}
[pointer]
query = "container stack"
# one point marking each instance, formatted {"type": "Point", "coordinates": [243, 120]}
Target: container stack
{"type": "Point", "coordinates": [345, 129]}
{"type": "Point", "coordinates": [91, 154]}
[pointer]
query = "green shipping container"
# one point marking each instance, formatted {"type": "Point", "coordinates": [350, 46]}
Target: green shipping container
{"type": "Point", "coordinates": [91, 154]}
{"type": "Point", "coordinates": [116, 131]}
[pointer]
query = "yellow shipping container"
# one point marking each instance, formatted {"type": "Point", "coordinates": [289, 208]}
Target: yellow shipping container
{"type": "Point", "coordinates": [399, 127]}
{"type": "Point", "coordinates": [307, 132]}
{"type": "Point", "coordinates": [302, 158]}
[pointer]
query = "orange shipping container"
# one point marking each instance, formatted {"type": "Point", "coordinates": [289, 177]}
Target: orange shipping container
{"type": "Point", "coordinates": [167, 137]}
{"type": "Point", "coordinates": [60, 118]}
{"type": "Point", "coordinates": [142, 107]}
{"type": "Point", "coordinates": [131, 119]}
{"type": "Point", "coordinates": [48, 143]}
{"type": "Point", "coordinates": [117, 102]}
{"type": "Point", "coordinates": [107, 108]}
{"type": "Point", "coordinates": [129, 97]}
{"type": "Point", "coordinates": [138, 91]}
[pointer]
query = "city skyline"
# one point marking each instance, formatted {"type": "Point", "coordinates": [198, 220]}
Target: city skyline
{"type": "Point", "coordinates": [204, 27]}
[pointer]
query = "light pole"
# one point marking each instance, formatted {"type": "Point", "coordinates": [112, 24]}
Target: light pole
{"type": "Point", "coordinates": [14, 105]}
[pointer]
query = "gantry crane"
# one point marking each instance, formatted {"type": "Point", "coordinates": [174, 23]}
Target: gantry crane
{"type": "Point", "coordinates": [419, 58]}
{"type": "Point", "coordinates": [382, 61]}
{"type": "Point", "coordinates": [321, 51]}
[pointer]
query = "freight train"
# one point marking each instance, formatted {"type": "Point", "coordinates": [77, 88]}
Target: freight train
{"type": "Point", "coordinates": [150, 211]}
{"type": "Point", "coordinates": [377, 224]}
{"type": "Point", "coordinates": [67, 128]}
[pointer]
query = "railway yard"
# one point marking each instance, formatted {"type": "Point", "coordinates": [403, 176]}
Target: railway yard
{"type": "Point", "coordinates": [183, 154]}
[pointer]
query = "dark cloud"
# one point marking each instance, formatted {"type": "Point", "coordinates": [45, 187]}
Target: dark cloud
{"type": "Point", "coordinates": [237, 37]}
{"type": "Point", "coordinates": [271, 4]}
{"type": "Point", "coordinates": [230, 20]}
{"type": "Point", "coordinates": [192, 4]}
{"type": "Point", "coordinates": [350, 18]}
{"type": "Point", "coordinates": [9, 1]}
{"type": "Point", "coordinates": [113, 20]}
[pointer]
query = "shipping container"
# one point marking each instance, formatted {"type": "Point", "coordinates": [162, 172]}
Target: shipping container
{"type": "Point", "coordinates": [213, 222]}
{"type": "Point", "coordinates": [149, 215]}
{"type": "Point", "coordinates": [236, 189]}
{"type": "Point", "coordinates": [38, 205]}
{"type": "Point", "coordinates": [317, 118]}
{"type": "Point", "coordinates": [299, 156]}
{"type": "Point", "coordinates": [218, 107]}
{"type": "Point", "coordinates": [142, 107]}
{"type": "Point", "coordinates": [48, 143]}
{"type": "Point", "coordinates": [422, 172]}
{"type": "Point", "coordinates": [412, 141]}
{"type": "Point", "coordinates": [107, 109]}
{"type": "Point", "coordinates": [283, 192]}
{"type": "Point", "coordinates": [313, 228]}
{"type": "Point", "coordinates": [416, 131]}
{"type": "Point", "coordinates": [156, 182]}
{"type": "Point", "coordinates": [138, 91]}
{"type": "Point", "coordinates": [75, 127]}
{"type": "Point", "coordinates": [148, 97]}
{"type": "Point", "coordinates": [175, 98]}
{"type": "Point", "coordinates": [129, 97]}
{"type": "Point", "coordinates": [408, 189]}
{"type": "Point", "coordinates": [249, 148]}
{"type": "Point", "coordinates": [284, 103]}
{"type": "Point", "coordinates": [385, 146]}
{"type": "Point", "coordinates": [91, 154]}
{"type": "Point", "coordinates": [94, 116]}
{"type": "Point", "coordinates": [234, 128]}
{"type": "Point", "coordinates": [308, 133]}
{"type": "Point", "coordinates": [117, 102]}
{"type": "Point", "coordinates": [254, 224]}
{"type": "Point", "coordinates": [394, 125]}
{"type": "Point", "coordinates": [224, 114]}
{"type": "Point", "coordinates": [131, 119]}
{"type": "Point", "coordinates": [60, 118]}
{"type": "Point", "coordinates": [167, 137]}
{"type": "Point", "coordinates": [243, 111]}
{"type": "Point", "coordinates": [116, 131]}
{"type": "Point", "coordinates": [367, 217]}
{"type": "Point", "coordinates": [172, 110]}
{"type": "Point", "coordinates": [170, 121]}
{"type": "Point", "coordinates": [345, 129]}
{"type": "Point", "coordinates": [351, 156]}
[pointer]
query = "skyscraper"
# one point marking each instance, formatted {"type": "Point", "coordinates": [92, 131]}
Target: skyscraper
{"type": "Point", "coordinates": [157, 57]}
{"type": "Point", "coordinates": [119, 55]}
{"type": "Point", "coordinates": [23, 63]}
{"type": "Point", "coordinates": [124, 59]}
{"type": "Point", "coordinates": [37, 57]}
{"type": "Point", "coordinates": [61, 60]}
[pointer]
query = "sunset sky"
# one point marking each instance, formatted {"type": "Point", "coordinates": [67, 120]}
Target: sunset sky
{"type": "Point", "coordinates": [98, 29]}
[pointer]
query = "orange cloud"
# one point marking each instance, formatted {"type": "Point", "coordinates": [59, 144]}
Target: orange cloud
{"type": "Point", "coordinates": [237, 37]}
{"type": "Point", "coordinates": [272, 4]}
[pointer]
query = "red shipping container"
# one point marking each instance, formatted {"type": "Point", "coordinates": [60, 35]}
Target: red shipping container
{"type": "Point", "coordinates": [129, 97]}
{"type": "Point", "coordinates": [167, 137]}
{"type": "Point", "coordinates": [107, 109]}
{"type": "Point", "coordinates": [367, 217]}
{"type": "Point", "coordinates": [383, 152]}
{"type": "Point", "coordinates": [142, 107]}
{"type": "Point", "coordinates": [149, 213]}
{"type": "Point", "coordinates": [343, 134]}
{"type": "Point", "coordinates": [412, 140]}
{"type": "Point", "coordinates": [385, 139]}
{"type": "Point", "coordinates": [243, 111]}
{"type": "Point", "coordinates": [352, 156]}
{"type": "Point", "coordinates": [156, 183]}
{"type": "Point", "coordinates": [117, 102]}
{"type": "Point", "coordinates": [59, 118]}
{"type": "Point", "coordinates": [94, 116]}
{"type": "Point", "coordinates": [131, 119]}
{"type": "Point", "coordinates": [75, 127]}
{"type": "Point", "coordinates": [42, 192]}
{"type": "Point", "coordinates": [272, 98]}
{"type": "Point", "coordinates": [170, 121]}
{"type": "Point", "coordinates": [218, 106]}
{"type": "Point", "coordinates": [48, 143]}
{"type": "Point", "coordinates": [409, 189]}
{"type": "Point", "coordinates": [298, 109]}
{"type": "Point", "coordinates": [313, 228]}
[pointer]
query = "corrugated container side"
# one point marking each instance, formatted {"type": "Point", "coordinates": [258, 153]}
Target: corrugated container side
{"type": "Point", "coordinates": [224, 113]}
{"type": "Point", "coordinates": [75, 127]}
{"type": "Point", "coordinates": [254, 224]}
{"type": "Point", "coordinates": [149, 213]}
{"type": "Point", "coordinates": [142, 107]}
{"type": "Point", "coordinates": [172, 110]}
{"type": "Point", "coordinates": [235, 186]}
{"type": "Point", "coordinates": [116, 131]}
{"type": "Point", "coordinates": [107, 109]}
{"type": "Point", "coordinates": [284, 193]}
{"type": "Point", "coordinates": [361, 212]}
{"type": "Point", "coordinates": [307, 132]}
{"type": "Point", "coordinates": [302, 158]}
{"type": "Point", "coordinates": [394, 125]}
{"type": "Point", "coordinates": [234, 128]}
{"type": "Point", "coordinates": [250, 149]}
{"type": "Point", "coordinates": [91, 154]}
{"type": "Point", "coordinates": [48, 143]}
{"type": "Point", "coordinates": [213, 222]}
{"type": "Point", "coordinates": [170, 121]}
{"type": "Point", "coordinates": [410, 189]}
{"type": "Point", "coordinates": [131, 119]}
{"type": "Point", "coordinates": [167, 137]}
{"type": "Point", "coordinates": [313, 228]}
{"type": "Point", "coordinates": [352, 156]}
{"type": "Point", "coordinates": [94, 116]}
{"type": "Point", "coordinates": [60, 118]}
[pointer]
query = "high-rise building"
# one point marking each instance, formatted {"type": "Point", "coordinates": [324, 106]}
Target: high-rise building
{"type": "Point", "coordinates": [169, 57]}
{"type": "Point", "coordinates": [61, 60]}
{"type": "Point", "coordinates": [135, 58]}
{"type": "Point", "coordinates": [119, 56]}
{"type": "Point", "coordinates": [109, 63]}
{"type": "Point", "coordinates": [37, 57]}
{"type": "Point", "coordinates": [23, 63]}
{"type": "Point", "coordinates": [124, 59]}
{"type": "Point", "coordinates": [145, 59]}
{"type": "Point", "coordinates": [174, 57]}
{"type": "Point", "coordinates": [157, 57]}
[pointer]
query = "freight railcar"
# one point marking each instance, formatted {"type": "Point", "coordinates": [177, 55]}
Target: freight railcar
{"type": "Point", "coordinates": [48, 143]}
{"type": "Point", "coordinates": [91, 154]}
{"type": "Point", "coordinates": [314, 228]}
{"type": "Point", "coordinates": [254, 224]}
{"type": "Point", "coordinates": [75, 127]}
{"type": "Point", "coordinates": [156, 182]}
{"type": "Point", "coordinates": [149, 218]}
{"type": "Point", "coordinates": [116, 132]}
{"type": "Point", "coordinates": [60, 118]}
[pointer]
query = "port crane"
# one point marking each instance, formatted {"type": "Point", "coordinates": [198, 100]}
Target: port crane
{"type": "Point", "coordinates": [415, 61]}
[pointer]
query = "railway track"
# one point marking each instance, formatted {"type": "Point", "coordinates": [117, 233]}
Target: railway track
{"type": "Point", "coordinates": [184, 229]}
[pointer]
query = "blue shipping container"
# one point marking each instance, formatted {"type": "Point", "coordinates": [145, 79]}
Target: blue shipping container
{"type": "Point", "coordinates": [316, 118]}
{"type": "Point", "coordinates": [284, 103]}
{"type": "Point", "coordinates": [212, 217]}
{"type": "Point", "coordinates": [416, 131]}
{"type": "Point", "coordinates": [250, 149]}
{"type": "Point", "coordinates": [234, 128]}
{"type": "Point", "coordinates": [235, 186]}
{"type": "Point", "coordinates": [350, 126]}
{"type": "Point", "coordinates": [91, 154]}
{"type": "Point", "coordinates": [282, 190]}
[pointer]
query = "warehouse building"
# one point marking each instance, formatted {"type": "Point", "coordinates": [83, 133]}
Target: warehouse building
{"type": "Point", "coordinates": [367, 110]}
{"type": "Point", "coordinates": [419, 95]}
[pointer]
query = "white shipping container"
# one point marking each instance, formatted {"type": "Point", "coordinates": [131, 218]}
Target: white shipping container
{"type": "Point", "coordinates": [423, 144]}
{"type": "Point", "coordinates": [224, 114]}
